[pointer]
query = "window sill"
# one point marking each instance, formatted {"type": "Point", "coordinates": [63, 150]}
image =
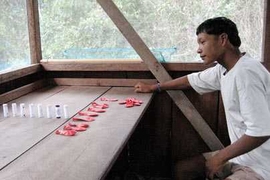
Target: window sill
{"type": "Point", "coordinates": [113, 65]}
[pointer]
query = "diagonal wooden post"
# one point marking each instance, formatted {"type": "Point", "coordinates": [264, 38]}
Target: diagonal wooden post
{"type": "Point", "coordinates": [161, 74]}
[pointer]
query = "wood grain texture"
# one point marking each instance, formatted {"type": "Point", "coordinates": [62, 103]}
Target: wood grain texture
{"type": "Point", "coordinates": [100, 81]}
{"type": "Point", "coordinates": [150, 144]}
{"type": "Point", "coordinates": [22, 133]}
{"type": "Point", "coordinates": [6, 97]}
{"type": "Point", "coordinates": [15, 74]}
{"type": "Point", "coordinates": [266, 35]}
{"type": "Point", "coordinates": [186, 142]}
{"type": "Point", "coordinates": [114, 65]}
{"type": "Point", "coordinates": [88, 155]}
{"type": "Point", "coordinates": [34, 31]}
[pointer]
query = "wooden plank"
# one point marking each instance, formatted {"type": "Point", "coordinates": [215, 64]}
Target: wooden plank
{"type": "Point", "coordinates": [91, 61]}
{"type": "Point", "coordinates": [62, 66]}
{"type": "Point", "coordinates": [222, 133]}
{"type": "Point", "coordinates": [100, 81]}
{"type": "Point", "coordinates": [89, 154]}
{"type": "Point", "coordinates": [6, 76]}
{"type": "Point", "coordinates": [89, 65]}
{"type": "Point", "coordinates": [185, 142]}
{"type": "Point", "coordinates": [19, 134]}
{"type": "Point", "coordinates": [266, 35]}
{"type": "Point", "coordinates": [149, 148]}
{"type": "Point", "coordinates": [34, 32]}
{"type": "Point", "coordinates": [161, 74]}
{"type": "Point", "coordinates": [6, 97]}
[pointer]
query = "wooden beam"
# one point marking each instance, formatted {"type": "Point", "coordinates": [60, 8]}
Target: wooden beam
{"type": "Point", "coordinates": [113, 65]}
{"type": "Point", "coordinates": [161, 74]}
{"type": "Point", "coordinates": [99, 82]}
{"type": "Point", "coordinates": [15, 74]}
{"type": "Point", "coordinates": [16, 93]}
{"type": "Point", "coordinates": [34, 32]}
{"type": "Point", "coordinates": [266, 35]}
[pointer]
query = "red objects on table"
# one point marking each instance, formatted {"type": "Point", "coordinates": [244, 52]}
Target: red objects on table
{"type": "Point", "coordinates": [122, 102]}
{"type": "Point", "coordinates": [130, 102]}
{"type": "Point", "coordinates": [82, 113]}
{"type": "Point", "coordinates": [92, 109]}
{"type": "Point", "coordinates": [108, 99]}
{"type": "Point", "coordinates": [101, 106]}
{"type": "Point", "coordinates": [83, 118]}
{"type": "Point", "coordinates": [75, 128]}
{"type": "Point", "coordinates": [66, 132]}
{"type": "Point", "coordinates": [71, 129]}
{"type": "Point", "coordinates": [85, 125]}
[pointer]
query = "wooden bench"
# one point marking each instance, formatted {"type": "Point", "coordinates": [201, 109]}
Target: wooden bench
{"type": "Point", "coordinates": [30, 149]}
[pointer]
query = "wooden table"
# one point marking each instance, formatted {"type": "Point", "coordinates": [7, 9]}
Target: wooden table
{"type": "Point", "coordinates": [30, 149]}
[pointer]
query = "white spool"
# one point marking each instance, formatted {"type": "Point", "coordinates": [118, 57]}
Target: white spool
{"type": "Point", "coordinates": [40, 111]}
{"type": "Point", "coordinates": [5, 110]}
{"type": "Point", "coordinates": [66, 111]}
{"type": "Point", "coordinates": [22, 109]}
{"type": "Point", "coordinates": [14, 109]}
{"type": "Point", "coordinates": [49, 111]}
{"type": "Point", "coordinates": [57, 111]}
{"type": "Point", "coordinates": [31, 110]}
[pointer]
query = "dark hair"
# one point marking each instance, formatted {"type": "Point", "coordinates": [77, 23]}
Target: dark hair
{"type": "Point", "coordinates": [219, 25]}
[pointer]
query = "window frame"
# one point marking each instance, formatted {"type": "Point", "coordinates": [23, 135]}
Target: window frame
{"type": "Point", "coordinates": [107, 65]}
{"type": "Point", "coordinates": [266, 35]}
{"type": "Point", "coordinates": [34, 31]}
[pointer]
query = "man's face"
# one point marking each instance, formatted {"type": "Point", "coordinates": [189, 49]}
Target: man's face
{"type": "Point", "coordinates": [210, 47]}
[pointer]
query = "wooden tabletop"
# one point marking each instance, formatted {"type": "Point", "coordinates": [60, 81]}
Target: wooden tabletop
{"type": "Point", "coordinates": [30, 149]}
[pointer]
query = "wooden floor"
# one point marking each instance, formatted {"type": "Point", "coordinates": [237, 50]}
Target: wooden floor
{"type": "Point", "coordinates": [31, 150]}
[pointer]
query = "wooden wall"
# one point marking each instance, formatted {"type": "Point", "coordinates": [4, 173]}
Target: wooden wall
{"type": "Point", "coordinates": [19, 82]}
{"type": "Point", "coordinates": [162, 137]}
{"type": "Point", "coordinates": [164, 134]}
{"type": "Point", "coordinates": [266, 33]}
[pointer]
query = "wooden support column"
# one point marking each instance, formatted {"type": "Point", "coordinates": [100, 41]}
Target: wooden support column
{"type": "Point", "coordinates": [266, 35]}
{"type": "Point", "coordinates": [34, 32]}
{"type": "Point", "coordinates": [161, 74]}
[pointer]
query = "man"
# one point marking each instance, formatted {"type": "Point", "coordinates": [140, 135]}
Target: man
{"type": "Point", "coordinates": [245, 87]}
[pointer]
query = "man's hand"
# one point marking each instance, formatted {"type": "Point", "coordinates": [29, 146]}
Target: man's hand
{"type": "Point", "coordinates": [144, 88]}
{"type": "Point", "coordinates": [213, 166]}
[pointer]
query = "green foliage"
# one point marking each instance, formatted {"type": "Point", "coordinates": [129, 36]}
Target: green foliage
{"type": "Point", "coordinates": [14, 41]}
{"type": "Point", "coordinates": [161, 24]}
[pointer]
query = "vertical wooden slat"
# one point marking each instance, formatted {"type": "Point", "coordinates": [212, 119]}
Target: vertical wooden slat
{"type": "Point", "coordinates": [34, 32]}
{"type": "Point", "coordinates": [266, 35]}
{"type": "Point", "coordinates": [185, 141]}
{"type": "Point", "coordinates": [222, 124]}
{"type": "Point", "coordinates": [161, 74]}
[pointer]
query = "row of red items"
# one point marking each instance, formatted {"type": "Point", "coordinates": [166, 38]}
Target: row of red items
{"type": "Point", "coordinates": [129, 102]}
{"type": "Point", "coordinates": [71, 129]}
{"type": "Point", "coordinates": [87, 116]}
{"type": "Point", "coordinates": [93, 111]}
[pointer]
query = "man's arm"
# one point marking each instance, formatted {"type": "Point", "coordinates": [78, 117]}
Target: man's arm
{"type": "Point", "coordinates": [241, 146]}
{"type": "Point", "coordinates": [179, 83]}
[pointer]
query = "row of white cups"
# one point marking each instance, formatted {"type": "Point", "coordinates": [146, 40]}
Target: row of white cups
{"type": "Point", "coordinates": [35, 110]}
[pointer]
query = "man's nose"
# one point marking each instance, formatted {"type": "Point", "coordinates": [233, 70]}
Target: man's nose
{"type": "Point", "coordinates": [199, 50]}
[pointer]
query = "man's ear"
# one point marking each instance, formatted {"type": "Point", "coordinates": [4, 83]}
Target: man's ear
{"type": "Point", "coordinates": [224, 38]}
